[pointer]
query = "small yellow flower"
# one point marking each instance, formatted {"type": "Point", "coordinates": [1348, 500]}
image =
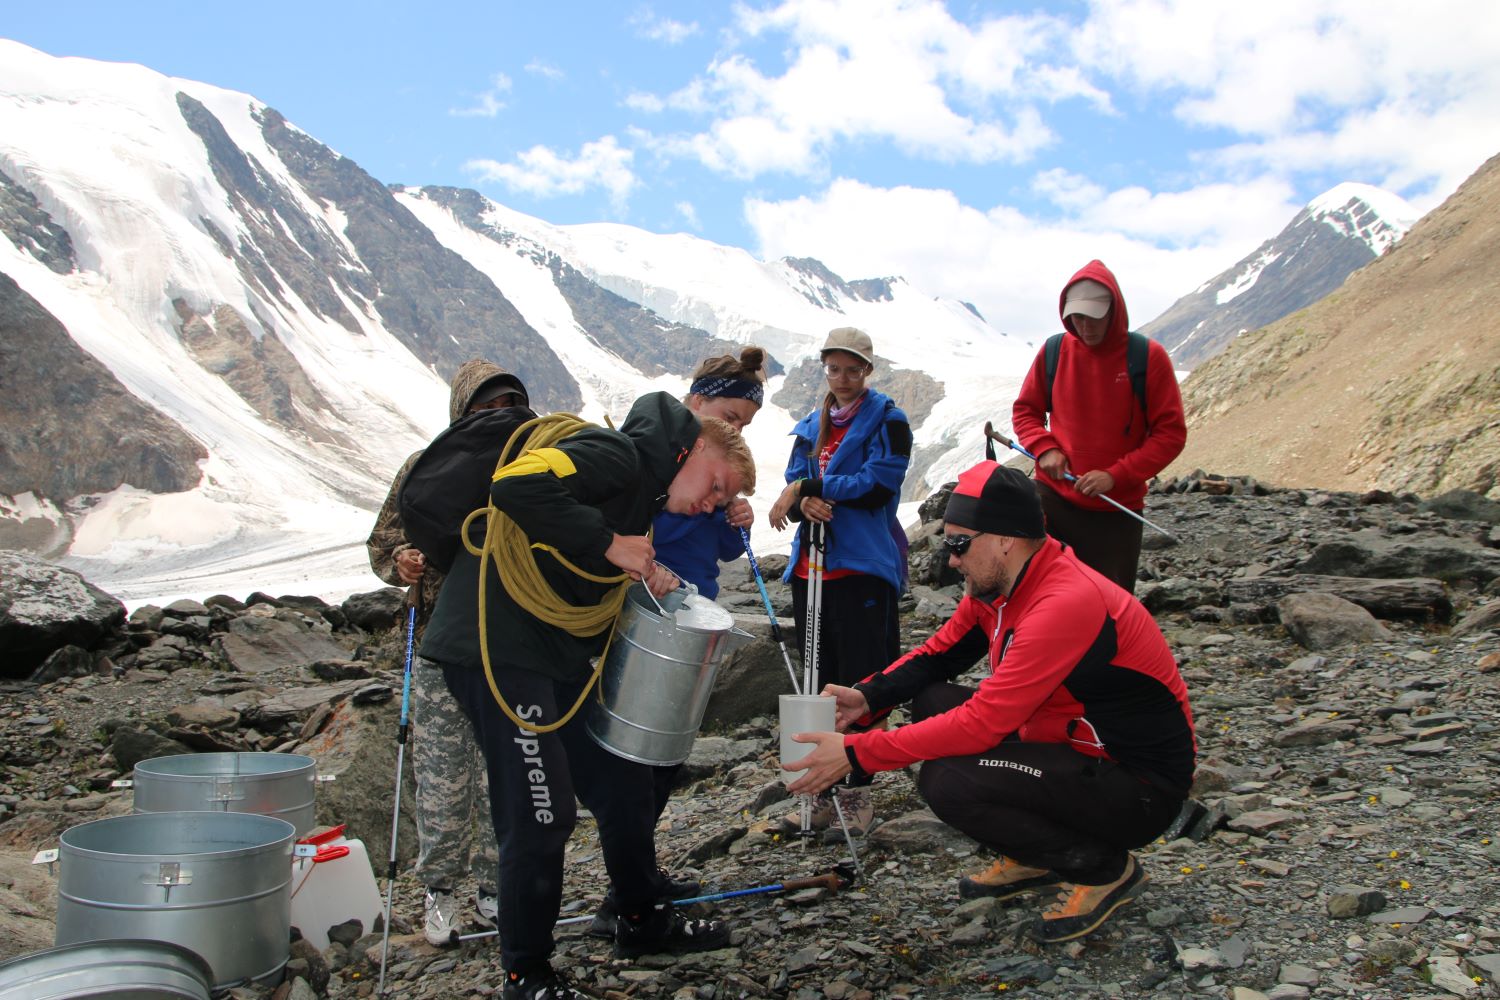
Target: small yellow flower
{"type": "Point", "coordinates": [1395, 855]}
{"type": "Point", "coordinates": [1405, 884]}
{"type": "Point", "coordinates": [1485, 841]}
{"type": "Point", "coordinates": [1186, 869]}
{"type": "Point", "coordinates": [1333, 715]}
{"type": "Point", "coordinates": [1374, 799]}
{"type": "Point", "coordinates": [1243, 861]}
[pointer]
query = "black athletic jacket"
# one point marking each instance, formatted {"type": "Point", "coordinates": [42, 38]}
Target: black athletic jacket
{"type": "Point", "coordinates": [572, 498]}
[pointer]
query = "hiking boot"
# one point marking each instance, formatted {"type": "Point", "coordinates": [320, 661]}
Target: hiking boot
{"type": "Point", "coordinates": [822, 815]}
{"type": "Point", "coordinates": [542, 984]}
{"type": "Point", "coordinates": [673, 888]}
{"type": "Point", "coordinates": [1080, 909]}
{"type": "Point", "coordinates": [668, 886]}
{"type": "Point", "coordinates": [667, 932]}
{"type": "Point", "coordinates": [858, 807]}
{"type": "Point", "coordinates": [603, 924]}
{"type": "Point", "coordinates": [442, 917]}
{"type": "Point", "coordinates": [1007, 879]}
{"type": "Point", "coordinates": [487, 906]}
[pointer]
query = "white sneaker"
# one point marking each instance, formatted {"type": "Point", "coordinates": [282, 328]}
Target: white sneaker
{"type": "Point", "coordinates": [487, 905]}
{"type": "Point", "coordinates": [442, 918]}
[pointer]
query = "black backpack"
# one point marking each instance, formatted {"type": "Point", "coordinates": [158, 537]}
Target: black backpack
{"type": "Point", "coordinates": [451, 479]}
{"type": "Point", "coordinates": [1137, 351]}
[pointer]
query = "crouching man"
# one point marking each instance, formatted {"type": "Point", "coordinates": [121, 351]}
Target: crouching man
{"type": "Point", "coordinates": [582, 507]}
{"type": "Point", "coordinates": [1076, 748]}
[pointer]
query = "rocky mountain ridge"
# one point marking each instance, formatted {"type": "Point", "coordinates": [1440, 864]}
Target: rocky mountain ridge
{"type": "Point", "coordinates": [1333, 236]}
{"type": "Point", "coordinates": [1392, 381]}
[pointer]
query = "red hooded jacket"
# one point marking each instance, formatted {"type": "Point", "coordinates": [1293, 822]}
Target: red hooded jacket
{"type": "Point", "coordinates": [1096, 419]}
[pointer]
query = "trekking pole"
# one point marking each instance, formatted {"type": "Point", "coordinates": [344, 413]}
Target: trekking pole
{"type": "Point", "coordinates": [833, 881]}
{"type": "Point", "coordinates": [814, 634]}
{"type": "Point", "coordinates": [994, 435]}
{"type": "Point", "coordinates": [390, 874]}
{"type": "Point", "coordinates": [770, 612]}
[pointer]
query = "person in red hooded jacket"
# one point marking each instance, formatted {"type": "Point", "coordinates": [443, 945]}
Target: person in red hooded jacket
{"type": "Point", "coordinates": [1094, 427]}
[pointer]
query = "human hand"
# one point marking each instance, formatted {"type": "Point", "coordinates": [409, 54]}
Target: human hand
{"type": "Point", "coordinates": [783, 505]}
{"type": "Point", "coordinates": [410, 565]}
{"type": "Point", "coordinates": [660, 580]}
{"type": "Point", "coordinates": [632, 553]}
{"type": "Point", "coordinates": [817, 509]}
{"type": "Point", "coordinates": [1054, 463]}
{"type": "Point", "coordinates": [849, 705]}
{"type": "Point", "coordinates": [738, 513]}
{"type": "Point", "coordinates": [1094, 482]}
{"type": "Point", "coordinates": [824, 766]}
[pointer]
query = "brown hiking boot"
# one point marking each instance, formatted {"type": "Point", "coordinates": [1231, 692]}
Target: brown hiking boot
{"type": "Point", "coordinates": [1080, 909]}
{"type": "Point", "coordinates": [1007, 879]}
{"type": "Point", "coordinates": [858, 806]}
{"type": "Point", "coordinates": [822, 814]}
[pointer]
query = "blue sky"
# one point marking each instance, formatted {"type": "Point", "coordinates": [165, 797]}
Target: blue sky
{"type": "Point", "coordinates": [983, 150]}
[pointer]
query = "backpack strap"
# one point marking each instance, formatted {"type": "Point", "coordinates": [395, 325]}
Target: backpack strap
{"type": "Point", "coordinates": [1050, 353]}
{"type": "Point", "coordinates": [1137, 359]}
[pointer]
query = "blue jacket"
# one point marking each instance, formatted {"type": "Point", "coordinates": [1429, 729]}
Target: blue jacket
{"type": "Point", "coordinates": [693, 545]}
{"type": "Point", "coordinates": [864, 483]}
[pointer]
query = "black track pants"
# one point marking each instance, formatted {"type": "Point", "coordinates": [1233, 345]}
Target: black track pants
{"type": "Point", "coordinates": [533, 781]}
{"type": "Point", "coordinates": [1044, 804]}
{"type": "Point", "coordinates": [1109, 541]}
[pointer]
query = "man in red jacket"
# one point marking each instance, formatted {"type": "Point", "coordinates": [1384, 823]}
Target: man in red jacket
{"type": "Point", "coordinates": [1093, 426]}
{"type": "Point", "coordinates": [1076, 748]}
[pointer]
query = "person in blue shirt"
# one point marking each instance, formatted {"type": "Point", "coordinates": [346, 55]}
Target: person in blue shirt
{"type": "Point", "coordinates": [693, 545]}
{"type": "Point", "coordinates": [848, 462]}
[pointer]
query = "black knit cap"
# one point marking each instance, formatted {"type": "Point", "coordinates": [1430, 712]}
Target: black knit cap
{"type": "Point", "coordinates": [992, 498]}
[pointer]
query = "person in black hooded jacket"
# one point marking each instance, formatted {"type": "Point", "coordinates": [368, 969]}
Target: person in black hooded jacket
{"type": "Point", "coordinates": [589, 498]}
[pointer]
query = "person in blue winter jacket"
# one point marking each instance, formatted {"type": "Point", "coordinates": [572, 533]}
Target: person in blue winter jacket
{"type": "Point", "coordinates": [848, 462]}
{"type": "Point", "coordinates": [693, 545]}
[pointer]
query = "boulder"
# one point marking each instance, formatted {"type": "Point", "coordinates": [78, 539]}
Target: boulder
{"type": "Point", "coordinates": [375, 610]}
{"type": "Point", "coordinates": [44, 608]}
{"type": "Point", "coordinates": [1370, 553]}
{"type": "Point", "coordinates": [749, 681]}
{"type": "Point", "coordinates": [70, 661]}
{"type": "Point", "coordinates": [257, 643]}
{"type": "Point", "coordinates": [1322, 621]}
{"type": "Point", "coordinates": [131, 746]}
{"type": "Point", "coordinates": [357, 747]}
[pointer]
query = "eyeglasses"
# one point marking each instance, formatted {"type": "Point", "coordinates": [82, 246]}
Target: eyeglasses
{"type": "Point", "coordinates": [853, 371]}
{"type": "Point", "coordinates": [958, 545]}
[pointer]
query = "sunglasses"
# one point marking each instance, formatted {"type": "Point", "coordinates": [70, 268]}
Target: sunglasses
{"type": "Point", "coordinates": [958, 545]}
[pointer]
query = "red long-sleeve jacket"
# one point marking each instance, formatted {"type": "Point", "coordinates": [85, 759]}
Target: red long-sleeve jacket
{"type": "Point", "coordinates": [1073, 659]}
{"type": "Point", "coordinates": [1096, 419]}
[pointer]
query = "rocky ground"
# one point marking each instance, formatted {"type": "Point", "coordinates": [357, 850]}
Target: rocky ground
{"type": "Point", "coordinates": [1343, 839]}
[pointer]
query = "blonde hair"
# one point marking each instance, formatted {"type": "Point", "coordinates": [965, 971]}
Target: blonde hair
{"type": "Point", "coordinates": [721, 434]}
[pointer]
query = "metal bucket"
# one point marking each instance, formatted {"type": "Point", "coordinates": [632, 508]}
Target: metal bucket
{"type": "Point", "coordinates": [659, 674]}
{"type": "Point", "coordinates": [271, 784]}
{"type": "Point", "coordinates": [216, 883]}
{"type": "Point", "coordinates": [118, 970]}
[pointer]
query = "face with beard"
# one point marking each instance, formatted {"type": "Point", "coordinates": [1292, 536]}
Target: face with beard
{"type": "Point", "coordinates": [976, 556]}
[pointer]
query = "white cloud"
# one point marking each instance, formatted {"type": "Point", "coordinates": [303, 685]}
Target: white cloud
{"type": "Point", "coordinates": [1400, 92]}
{"type": "Point", "coordinates": [488, 104]}
{"type": "Point", "coordinates": [662, 29]}
{"type": "Point", "coordinates": [540, 67]}
{"type": "Point", "coordinates": [689, 215]}
{"type": "Point", "coordinates": [543, 173]}
{"type": "Point", "coordinates": [1012, 266]}
{"type": "Point", "coordinates": [898, 71]}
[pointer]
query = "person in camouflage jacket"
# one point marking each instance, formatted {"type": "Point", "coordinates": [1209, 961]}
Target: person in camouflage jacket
{"type": "Point", "coordinates": [452, 790]}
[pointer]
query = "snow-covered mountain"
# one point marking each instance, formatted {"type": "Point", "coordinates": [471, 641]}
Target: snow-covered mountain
{"type": "Point", "coordinates": [230, 336]}
{"type": "Point", "coordinates": [1337, 233]}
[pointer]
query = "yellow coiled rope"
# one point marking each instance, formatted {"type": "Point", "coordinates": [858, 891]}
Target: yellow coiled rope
{"type": "Point", "coordinates": [522, 578]}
